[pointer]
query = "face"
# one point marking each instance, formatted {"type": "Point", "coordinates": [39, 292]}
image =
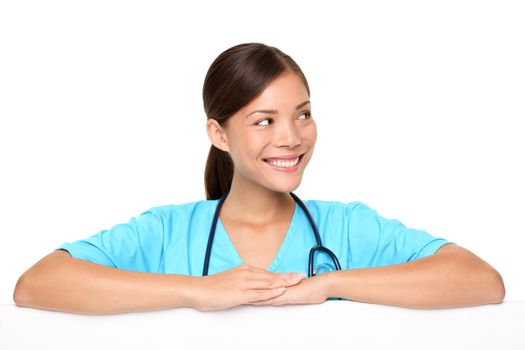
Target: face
{"type": "Point", "coordinates": [271, 140]}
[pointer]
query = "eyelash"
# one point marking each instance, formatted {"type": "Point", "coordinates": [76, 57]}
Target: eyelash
{"type": "Point", "coordinates": [307, 113]}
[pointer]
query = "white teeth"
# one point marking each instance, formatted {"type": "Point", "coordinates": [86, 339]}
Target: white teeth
{"type": "Point", "coordinates": [284, 163]}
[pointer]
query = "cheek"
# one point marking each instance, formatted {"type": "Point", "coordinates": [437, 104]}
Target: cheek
{"type": "Point", "coordinates": [247, 148]}
{"type": "Point", "coordinates": [311, 132]}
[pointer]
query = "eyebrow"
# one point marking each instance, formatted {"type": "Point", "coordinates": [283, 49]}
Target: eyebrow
{"type": "Point", "coordinates": [273, 111]}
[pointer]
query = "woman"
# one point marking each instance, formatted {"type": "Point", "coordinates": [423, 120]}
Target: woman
{"type": "Point", "coordinates": [263, 135]}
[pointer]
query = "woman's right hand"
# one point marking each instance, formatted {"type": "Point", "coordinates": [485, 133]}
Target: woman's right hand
{"type": "Point", "coordinates": [243, 284]}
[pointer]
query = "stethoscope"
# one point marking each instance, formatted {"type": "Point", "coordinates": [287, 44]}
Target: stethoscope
{"type": "Point", "coordinates": [316, 248]}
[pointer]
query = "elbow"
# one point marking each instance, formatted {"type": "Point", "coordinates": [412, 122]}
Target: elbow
{"type": "Point", "coordinates": [488, 285]}
{"type": "Point", "coordinates": [22, 292]}
{"type": "Point", "coordinates": [32, 287]}
{"type": "Point", "coordinates": [496, 287]}
{"type": "Point", "coordinates": [28, 288]}
{"type": "Point", "coordinates": [482, 282]}
{"type": "Point", "coordinates": [39, 286]}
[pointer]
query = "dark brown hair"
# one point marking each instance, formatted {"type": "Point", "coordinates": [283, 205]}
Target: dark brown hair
{"type": "Point", "coordinates": [234, 79]}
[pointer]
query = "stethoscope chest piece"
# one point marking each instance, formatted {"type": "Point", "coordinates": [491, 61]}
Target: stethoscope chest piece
{"type": "Point", "coordinates": [317, 248]}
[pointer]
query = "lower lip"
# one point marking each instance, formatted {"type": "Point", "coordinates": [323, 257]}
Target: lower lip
{"type": "Point", "coordinates": [287, 169]}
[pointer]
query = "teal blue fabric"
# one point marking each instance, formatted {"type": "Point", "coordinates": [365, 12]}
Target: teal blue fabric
{"type": "Point", "coordinates": [173, 238]}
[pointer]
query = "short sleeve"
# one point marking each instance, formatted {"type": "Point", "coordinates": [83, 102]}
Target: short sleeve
{"type": "Point", "coordinates": [378, 241]}
{"type": "Point", "coordinates": [136, 245]}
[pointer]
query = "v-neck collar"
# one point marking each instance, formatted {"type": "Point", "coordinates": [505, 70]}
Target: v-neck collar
{"type": "Point", "coordinates": [281, 253]}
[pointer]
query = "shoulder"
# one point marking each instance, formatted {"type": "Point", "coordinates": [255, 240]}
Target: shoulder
{"type": "Point", "coordinates": [189, 209]}
{"type": "Point", "coordinates": [325, 207]}
{"type": "Point", "coordinates": [354, 213]}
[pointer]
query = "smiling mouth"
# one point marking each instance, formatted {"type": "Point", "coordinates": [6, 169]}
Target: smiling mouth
{"type": "Point", "coordinates": [285, 164]}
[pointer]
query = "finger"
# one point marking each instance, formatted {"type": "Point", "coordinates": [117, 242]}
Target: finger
{"type": "Point", "coordinates": [256, 269]}
{"type": "Point", "coordinates": [260, 278]}
{"type": "Point", "coordinates": [274, 280]}
{"type": "Point", "coordinates": [280, 300]}
{"type": "Point", "coordinates": [256, 295]}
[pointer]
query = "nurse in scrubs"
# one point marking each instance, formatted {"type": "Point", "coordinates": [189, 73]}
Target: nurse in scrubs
{"type": "Point", "coordinates": [263, 134]}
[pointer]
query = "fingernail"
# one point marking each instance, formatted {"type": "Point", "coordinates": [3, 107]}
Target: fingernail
{"type": "Point", "coordinates": [299, 276]}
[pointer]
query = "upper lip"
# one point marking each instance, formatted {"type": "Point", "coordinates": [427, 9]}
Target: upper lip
{"type": "Point", "coordinates": [293, 156]}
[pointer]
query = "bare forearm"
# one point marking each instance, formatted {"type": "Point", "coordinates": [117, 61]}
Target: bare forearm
{"type": "Point", "coordinates": [62, 283]}
{"type": "Point", "coordinates": [455, 277]}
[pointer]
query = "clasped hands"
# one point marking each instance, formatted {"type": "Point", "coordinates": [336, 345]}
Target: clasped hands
{"type": "Point", "coordinates": [249, 285]}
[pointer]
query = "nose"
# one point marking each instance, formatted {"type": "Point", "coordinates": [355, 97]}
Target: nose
{"type": "Point", "coordinates": [288, 135]}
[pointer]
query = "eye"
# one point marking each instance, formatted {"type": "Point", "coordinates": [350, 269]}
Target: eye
{"type": "Point", "coordinates": [307, 114]}
{"type": "Point", "coordinates": [263, 120]}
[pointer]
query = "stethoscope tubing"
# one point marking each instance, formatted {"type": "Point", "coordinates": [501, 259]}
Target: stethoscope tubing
{"type": "Point", "coordinates": [212, 234]}
{"type": "Point", "coordinates": [318, 247]}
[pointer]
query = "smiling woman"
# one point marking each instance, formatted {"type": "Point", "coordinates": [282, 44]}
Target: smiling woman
{"type": "Point", "coordinates": [259, 149]}
{"type": "Point", "coordinates": [231, 250]}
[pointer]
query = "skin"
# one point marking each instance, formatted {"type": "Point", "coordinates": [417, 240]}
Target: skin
{"type": "Point", "coordinates": [257, 228]}
{"type": "Point", "coordinates": [452, 277]}
{"type": "Point", "coordinates": [458, 277]}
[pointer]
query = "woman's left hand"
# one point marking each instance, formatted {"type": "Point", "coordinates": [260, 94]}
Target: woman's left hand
{"type": "Point", "coordinates": [311, 290]}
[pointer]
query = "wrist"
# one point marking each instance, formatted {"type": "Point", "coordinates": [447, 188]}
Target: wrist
{"type": "Point", "coordinates": [328, 283]}
{"type": "Point", "coordinates": [199, 293]}
{"type": "Point", "coordinates": [188, 291]}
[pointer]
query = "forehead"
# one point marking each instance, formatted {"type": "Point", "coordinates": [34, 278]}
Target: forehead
{"type": "Point", "coordinates": [287, 89]}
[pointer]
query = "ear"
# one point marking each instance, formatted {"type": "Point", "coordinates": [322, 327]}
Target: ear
{"type": "Point", "coordinates": [217, 135]}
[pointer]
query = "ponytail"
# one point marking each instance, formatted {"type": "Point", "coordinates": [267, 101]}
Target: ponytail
{"type": "Point", "coordinates": [218, 174]}
{"type": "Point", "coordinates": [236, 77]}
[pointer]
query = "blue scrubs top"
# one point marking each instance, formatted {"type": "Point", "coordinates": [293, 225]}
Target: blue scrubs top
{"type": "Point", "coordinates": [173, 238]}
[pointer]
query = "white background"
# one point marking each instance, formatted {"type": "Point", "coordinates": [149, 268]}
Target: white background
{"type": "Point", "coordinates": [417, 105]}
{"type": "Point", "coordinates": [330, 325]}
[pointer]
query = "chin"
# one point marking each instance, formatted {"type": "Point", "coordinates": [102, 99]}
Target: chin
{"type": "Point", "coordinates": [287, 188]}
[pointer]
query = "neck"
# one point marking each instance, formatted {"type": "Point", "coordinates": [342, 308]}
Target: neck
{"type": "Point", "coordinates": [256, 204]}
